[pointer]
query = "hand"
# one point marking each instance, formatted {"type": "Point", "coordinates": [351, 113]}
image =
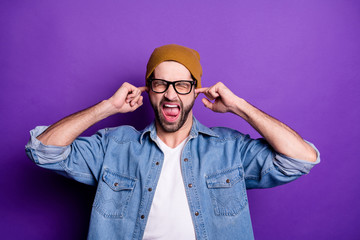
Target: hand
{"type": "Point", "coordinates": [225, 100]}
{"type": "Point", "coordinates": [127, 98]}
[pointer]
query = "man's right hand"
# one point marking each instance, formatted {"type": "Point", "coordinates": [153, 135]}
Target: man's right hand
{"type": "Point", "coordinates": [127, 98]}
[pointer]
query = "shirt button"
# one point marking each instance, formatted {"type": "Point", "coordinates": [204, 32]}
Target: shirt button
{"type": "Point", "coordinates": [116, 184]}
{"type": "Point", "coordinates": [157, 163]}
{"type": "Point", "coordinates": [150, 189]}
{"type": "Point", "coordinates": [185, 160]}
{"type": "Point", "coordinates": [142, 216]}
{"type": "Point", "coordinates": [196, 213]}
{"type": "Point", "coordinates": [227, 180]}
{"type": "Point", "coordinates": [190, 185]}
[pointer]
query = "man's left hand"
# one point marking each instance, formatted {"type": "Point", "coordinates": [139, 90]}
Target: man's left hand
{"type": "Point", "coordinates": [225, 99]}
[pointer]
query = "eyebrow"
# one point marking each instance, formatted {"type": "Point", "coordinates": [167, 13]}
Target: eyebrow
{"type": "Point", "coordinates": [173, 81]}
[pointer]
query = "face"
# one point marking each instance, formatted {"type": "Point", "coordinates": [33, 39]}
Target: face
{"type": "Point", "coordinates": [172, 110]}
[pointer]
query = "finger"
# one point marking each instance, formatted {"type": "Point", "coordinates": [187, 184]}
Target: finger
{"type": "Point", "coordinates": [212, 93]}
{"type": "Point", "coordinates": [209, 92]}
{"type": "Point", "coordinates": [137, 100]}
{"type": "Point", "coordinates": [143, 89]}
{"type": "Point", "coordinates": [130, 88]}
{"type": "Point", "coordinates": [129, 98]}
{"type": "Point", "coordinates": [134, 100]}
{"type": "Point", "coordinates": [136, 104]}
{"type": "Point", "coordinates": [201, 90]}
{"type": "Point", "coordinates": [207, 103]}
{"type": "Point", "coordinates": [140, 101]}
{"type": "Point", "coordinates": [209, 96]}
{"type": "Point", "coordinates": [136, 92]}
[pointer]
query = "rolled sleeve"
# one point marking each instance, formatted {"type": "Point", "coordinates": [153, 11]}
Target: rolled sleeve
{"type": "Point", "coordinates": [44, 154]}
{"type": "Point", "coordinates": [291, 166]}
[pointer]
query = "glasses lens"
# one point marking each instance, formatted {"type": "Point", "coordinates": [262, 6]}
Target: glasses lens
{"type": "Point", "coordinates": [158, 86]}
{"type": "Point", "coordinates": [183, 87]}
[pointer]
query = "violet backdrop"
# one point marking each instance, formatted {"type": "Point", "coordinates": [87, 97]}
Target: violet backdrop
{"type": "Point", "coordinates": [296, 60]}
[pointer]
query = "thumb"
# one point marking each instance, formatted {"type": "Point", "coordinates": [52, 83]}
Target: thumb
{"type": "Point", "coordinates": [207, 103]}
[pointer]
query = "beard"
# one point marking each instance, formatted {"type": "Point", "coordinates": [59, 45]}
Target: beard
{"type": "Point", "coordinates": [172, 126]}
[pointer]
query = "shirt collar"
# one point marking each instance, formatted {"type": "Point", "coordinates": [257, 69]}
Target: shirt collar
{"type": "Point", "coordinates": [196, 128]}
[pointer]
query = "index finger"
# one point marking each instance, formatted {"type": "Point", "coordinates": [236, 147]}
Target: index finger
{"type": "Point", "coordinates": [143, 89]}
{"type": "Point", "coordinates": [201, 90]}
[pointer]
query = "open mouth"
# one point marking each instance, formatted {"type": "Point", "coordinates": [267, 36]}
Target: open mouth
{"type": "Point", "coordinates": [171, 111]}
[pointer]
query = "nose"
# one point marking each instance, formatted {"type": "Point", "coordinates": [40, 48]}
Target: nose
{"type": "Point", "coordinates": [170, 93]}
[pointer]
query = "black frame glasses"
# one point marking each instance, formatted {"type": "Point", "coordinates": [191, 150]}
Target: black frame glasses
{"type": "Point", "coordinates": [174, 84]}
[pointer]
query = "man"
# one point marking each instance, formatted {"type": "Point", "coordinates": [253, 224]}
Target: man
{"type": "Point", "coordinates": [177, 179]}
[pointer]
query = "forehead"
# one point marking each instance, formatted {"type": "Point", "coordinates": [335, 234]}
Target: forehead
{"type": "Point", "coordinates": [171, 70]}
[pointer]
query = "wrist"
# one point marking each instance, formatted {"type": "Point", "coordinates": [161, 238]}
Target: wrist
{"type": "Point", "coordinates": [104, 109]}
{"type": "Point", "coordinates": [240, 108]}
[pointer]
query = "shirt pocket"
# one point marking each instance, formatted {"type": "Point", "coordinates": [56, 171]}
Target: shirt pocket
{"type": "Point", "coordinates": [227, 191]}
{"type": "Point", "coordinates": [113, 194]}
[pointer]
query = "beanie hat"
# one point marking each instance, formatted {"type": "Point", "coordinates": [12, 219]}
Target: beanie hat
{"type": "Point", "coordinates": [173, 52]}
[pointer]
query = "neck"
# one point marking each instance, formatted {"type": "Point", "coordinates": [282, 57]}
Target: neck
{"type": "Point", "coordinates": [172, 139]}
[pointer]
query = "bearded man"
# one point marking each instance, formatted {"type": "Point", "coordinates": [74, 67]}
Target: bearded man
{"type": "Point", "coordinates": [176, 179]}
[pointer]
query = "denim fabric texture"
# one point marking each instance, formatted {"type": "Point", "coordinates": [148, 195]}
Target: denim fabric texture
{"type": "Point", "coordinates": [124, 163]}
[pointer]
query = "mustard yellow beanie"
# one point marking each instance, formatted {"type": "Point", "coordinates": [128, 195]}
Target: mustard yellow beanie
{"type": "Point", "coordinates": [173, 52]}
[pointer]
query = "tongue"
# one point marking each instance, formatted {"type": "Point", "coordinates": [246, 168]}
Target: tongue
{"type": "Point", "coordinates": [171, 111]}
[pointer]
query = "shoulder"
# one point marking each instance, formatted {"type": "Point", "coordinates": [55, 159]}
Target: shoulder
{"type": "Point", "coordinates": [218, 133]}
{"type": "Point", "coordinates": [225, 133]}
{"type": "Point", "coordinates": [123, 134]}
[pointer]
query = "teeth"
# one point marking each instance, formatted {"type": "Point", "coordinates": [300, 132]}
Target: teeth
{"type": "Point", "coordinates": [170, 106]}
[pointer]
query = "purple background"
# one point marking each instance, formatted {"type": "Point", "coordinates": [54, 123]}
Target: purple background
{"type": "Point", "coordinates": [296, 60]}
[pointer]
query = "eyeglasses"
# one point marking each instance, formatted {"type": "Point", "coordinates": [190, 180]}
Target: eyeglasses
{"type": "Point", "coordinates": [182, 87]}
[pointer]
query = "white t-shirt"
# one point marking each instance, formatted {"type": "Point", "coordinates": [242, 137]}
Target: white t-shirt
{"type": "Point", "coordinates": [169, 216]}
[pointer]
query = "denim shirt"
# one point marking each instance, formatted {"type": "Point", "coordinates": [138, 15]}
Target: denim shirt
{"type": "Point", "coordinates": [125, 164]}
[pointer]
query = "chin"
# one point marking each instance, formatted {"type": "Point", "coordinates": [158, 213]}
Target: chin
{"type": "Point", "coordinates": [171, 127]}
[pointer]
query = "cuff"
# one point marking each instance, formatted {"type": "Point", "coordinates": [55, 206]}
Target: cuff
{"type": "Point", "coordinates": [292, 166]}
{"type": "Point", "coordinates": [43, 154]}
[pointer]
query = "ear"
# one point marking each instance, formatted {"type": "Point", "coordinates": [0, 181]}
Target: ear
{"type": "Point", "coordinates": [147, 85]}
{"type": "Point", "coordinates": [196, 93]}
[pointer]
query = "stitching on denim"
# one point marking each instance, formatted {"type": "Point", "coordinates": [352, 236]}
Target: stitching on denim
{"type": "Point", "coordinates": [251, 177]}
{"type": "Point", "coordinates": [215, 191]}
{"type": "Point", "coordinates": [73, 173]}
{"type": "Point", "coordinates": [125, 140]}
{"type": "Point", "coordinates": [266, 171]}
{"type": "Point", "coordinates": [226, 139]}
{"type": "Point", "coordinates": [119, 174]}
{"type": "Point", "coordinates": [116, 213]}
{"type": "Point", "coordinates": [34, 155]}
{"type": "Point", "coordinates": [194, 189]}
{"type": "Point", "coordinates": [115, 139]}
{"type": "Point", "coordinates": [145, 201]}
{"type": "Point", "coordinates": [233, 136]}
{"type": "Point", "coordinates": [226, 211]}
{"type": "Point", "coordinates": [220, 172]}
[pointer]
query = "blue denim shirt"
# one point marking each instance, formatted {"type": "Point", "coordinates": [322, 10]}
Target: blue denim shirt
{"type": "Point", "coordinates": [124, 164]}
